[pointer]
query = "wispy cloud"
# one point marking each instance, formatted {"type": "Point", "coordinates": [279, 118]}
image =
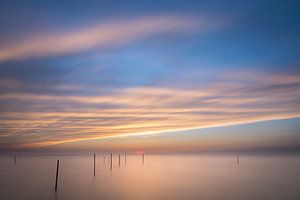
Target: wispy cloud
{"type": "Point", "coordinates": [233, 99]}
{"type": "Point", "coordinates": [109, 34]}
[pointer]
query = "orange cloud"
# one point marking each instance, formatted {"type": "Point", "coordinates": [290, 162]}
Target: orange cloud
{"type": "Point", "coordinates": [148, 110]}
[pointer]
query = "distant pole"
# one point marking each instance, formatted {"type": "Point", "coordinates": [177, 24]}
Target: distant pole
{"type": "Point", "coordinates": [119, 160]}
{"type": "Point", "coordinates": [111, 161]}
{"type": "Point", "coordinates": [15, 159]}
{"type": "Point", "coordinates": [143, 158]}
{"type": "Point", "coordinates": [125, 158]}
{"type": "Point", "coordinates": [103, 159]}
{"type": "Point", "coordinates": [94, 164]}
{"type": "Point", "coordinates": [238, 159]}
{"type": "Point", "coordinates": [56, 179]}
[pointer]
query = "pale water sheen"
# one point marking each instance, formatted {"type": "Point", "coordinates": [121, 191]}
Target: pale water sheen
{"type": "Point", "coordinates": [161, 177]}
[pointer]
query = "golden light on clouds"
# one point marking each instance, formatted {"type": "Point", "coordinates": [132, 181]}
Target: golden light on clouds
{"type": "Point", "coordinates": [57, 119]}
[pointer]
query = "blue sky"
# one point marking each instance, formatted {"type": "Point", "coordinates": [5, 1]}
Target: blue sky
{"type": "Point", "coordinates": [77, 71]}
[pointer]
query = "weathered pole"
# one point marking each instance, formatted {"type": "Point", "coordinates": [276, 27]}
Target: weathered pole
{"type": "Point", "coordinates": [94, 164]}
{"type": "Point", "coordinates": [143, 158]}
{"type": "Point", "coordinates": [111, 161]}
{"type": "Point", "coordinates": [57, 170]}
{"type": "Point", "coordinates": [119, 160]}
{"type": "Point", "coordinates": [125, 158]}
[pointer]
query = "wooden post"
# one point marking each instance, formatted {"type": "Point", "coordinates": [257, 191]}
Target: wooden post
{"type": "Point", "coordinates": [103, 159]}
{"type": "Point", "coordinates": [238, 159]}
{"type": "Point", "coordinates": [143, 158]}
{"type": "Point", "coordinates": [57, 170]}
{"type": "Point", "coordinates": [111, 161]}
{"type": "Point", "coordinates": [119, 160]}
{"type": "Point", "coordinates": [125, 158]}
{"type": "Point", "coordinates": [94, 164]}
{"type": "Point", "coordinates": [15, 159]}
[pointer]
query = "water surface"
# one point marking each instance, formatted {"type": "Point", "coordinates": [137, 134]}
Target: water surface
{"type": "Point", "coordinates": [161, 177]}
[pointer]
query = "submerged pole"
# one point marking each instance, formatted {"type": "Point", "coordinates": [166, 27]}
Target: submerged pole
{"type": "Point", "coordinates": [57, 170]}
{"type": "Point", "coordinates": [15, 159]}
{"type": "Point", "coordinates": [111, 161]}
{"type": "Point", "coordinates": [143, 158]}
{"type": "Point", "coordinates": [125, 158]}
{"type": "Point", "coordinates": [238, 159]}
{"type": "Point", "coordinates": [94, 164]}
{"type": "Point", "coordinates": [103, 159]}
{"type": "Point", "coordinates": [119, 160]}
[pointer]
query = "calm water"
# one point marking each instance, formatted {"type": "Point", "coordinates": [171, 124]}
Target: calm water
{"type": "Point", "coordinates": [161, 177]}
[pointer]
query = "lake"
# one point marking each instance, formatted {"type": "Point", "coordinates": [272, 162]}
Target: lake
{"type": "Point", "coordinates": [160, 177]}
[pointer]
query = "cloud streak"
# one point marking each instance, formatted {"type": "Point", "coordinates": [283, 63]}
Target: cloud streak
{"type": "Point", "coordinates": [233, 99]}
{"type": "Point", "coordinates": [105, 35]}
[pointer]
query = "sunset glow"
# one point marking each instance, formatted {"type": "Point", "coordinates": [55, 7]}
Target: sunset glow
{"type": "Point", "coordinates": [77, 81]}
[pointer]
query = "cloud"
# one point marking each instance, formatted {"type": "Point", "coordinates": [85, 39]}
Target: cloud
{"type": "Point", "coordinates": [35, 120]}
{"type": "Point", "coordinates": [105, 35]}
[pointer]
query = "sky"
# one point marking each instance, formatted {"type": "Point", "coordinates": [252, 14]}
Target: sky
{"type": "Point", "coordinates": [156, 76]}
